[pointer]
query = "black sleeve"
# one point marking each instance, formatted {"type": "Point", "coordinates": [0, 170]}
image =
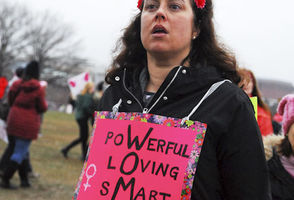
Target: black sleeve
{"type": "Point", "coordinates": [243, 168]}
{"type": "Point", "coordinates": [13, 93]}
{"type": "Point", "coordinates": [107, 100]}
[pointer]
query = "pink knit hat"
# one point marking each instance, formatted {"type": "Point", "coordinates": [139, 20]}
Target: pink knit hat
{"type": "Point", "coordinates": [286, 109]}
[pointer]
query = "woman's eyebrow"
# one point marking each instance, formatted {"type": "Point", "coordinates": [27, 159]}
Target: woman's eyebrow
{"type": "Point", "coordinates": [157, 1]}
{"type": "Point", "coordinates": [177, 0]}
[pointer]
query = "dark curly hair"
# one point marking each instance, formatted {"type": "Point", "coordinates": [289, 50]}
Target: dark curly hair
{"type": "Point", "coordinates": [285, 147]}
{"type": "Point", "coordinates": [205, 49]}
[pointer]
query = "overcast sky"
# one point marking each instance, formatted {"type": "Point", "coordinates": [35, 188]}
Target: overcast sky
{"type": "Point", "coordinates": [259, 32]}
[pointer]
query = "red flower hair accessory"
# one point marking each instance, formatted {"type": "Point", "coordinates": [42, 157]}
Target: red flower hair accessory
{"type": "Point", "coordinates": [199, 4]}
{"type": "Point", "coordinates": [139, 4]}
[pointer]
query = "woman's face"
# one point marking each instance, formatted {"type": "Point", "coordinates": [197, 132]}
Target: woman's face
{"type": "Point", "coordinates": [291, 136]}
{"type": "Point", "coordinates": [248, 87]}
{"type": "Point", "coordinates": [167, 27]}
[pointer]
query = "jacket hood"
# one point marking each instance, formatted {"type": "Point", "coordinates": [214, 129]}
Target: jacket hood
{"type": "Point", "coordinates": [270, 142]}
{"type": "Point", "coordinates": [29, 86]}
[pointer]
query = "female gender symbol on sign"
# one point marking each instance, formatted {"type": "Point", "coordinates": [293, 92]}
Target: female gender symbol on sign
{"type": "Point", "coordinates": [89, 176]}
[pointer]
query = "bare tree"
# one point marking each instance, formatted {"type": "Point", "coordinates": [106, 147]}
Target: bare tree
{"type": "Point", "coordinates": [42, 37]}
{"type": "Point", "coordinates": [51, 41]}
{"type": "Point", "coordinates": [13, 33]}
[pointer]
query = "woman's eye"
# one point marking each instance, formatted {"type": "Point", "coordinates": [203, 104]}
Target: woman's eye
{"type": "Point", "coordinates": [150, 7]}
{"type": "Point", "coordinates": [175, 7]}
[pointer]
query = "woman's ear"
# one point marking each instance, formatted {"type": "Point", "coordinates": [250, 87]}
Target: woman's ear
{"type": "Point", "coordinates": [194, 34]}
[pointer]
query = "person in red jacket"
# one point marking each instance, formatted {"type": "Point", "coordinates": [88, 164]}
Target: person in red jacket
{"type": "Point", "coordinates": [249, 85]}
{"type": "Point", "coordinates": [27, 100]}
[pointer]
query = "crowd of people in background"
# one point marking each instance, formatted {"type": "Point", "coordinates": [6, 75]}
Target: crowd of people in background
{"type": "Point", "coordinates": [278, 137]}
{"type": "Point", "coordinates": [26, 100]}
{"type": "Point", "coordinates": [22, 106]}
{"type": "Point", "coordinates": [279, 150]}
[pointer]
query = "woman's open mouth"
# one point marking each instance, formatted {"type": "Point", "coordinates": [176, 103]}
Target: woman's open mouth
{"type": "Point", "coordinates": [159, 30]}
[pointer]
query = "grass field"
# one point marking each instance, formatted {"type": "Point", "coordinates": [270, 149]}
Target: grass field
{"type": "Point", "coordinates": [58, 176]}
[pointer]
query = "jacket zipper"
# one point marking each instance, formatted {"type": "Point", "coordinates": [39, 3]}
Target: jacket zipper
{"type": "Point", "coordinates": [130, 91]}
{"type": "Point", "coordinates": [158, 99]}
{"type": "Point", "coordinates": [146, 110]}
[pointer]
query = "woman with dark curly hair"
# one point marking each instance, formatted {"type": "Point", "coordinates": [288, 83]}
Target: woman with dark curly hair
{"type": "Point", "coordinates": [168, 61]}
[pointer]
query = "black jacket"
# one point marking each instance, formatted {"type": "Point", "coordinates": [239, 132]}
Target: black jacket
{"type": "Point", "coordinates": [282, 183]}
{"type": "Point", "coordinates": [232, 164]}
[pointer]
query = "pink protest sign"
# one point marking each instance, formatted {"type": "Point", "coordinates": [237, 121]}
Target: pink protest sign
{"type": "Point", "coordinates": [78, 82]}
{"type": "Point", "coordinates": [140, 156]}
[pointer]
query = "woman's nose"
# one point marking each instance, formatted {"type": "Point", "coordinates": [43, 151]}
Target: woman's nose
{"type": "Point", "coordinates": [160, 14]}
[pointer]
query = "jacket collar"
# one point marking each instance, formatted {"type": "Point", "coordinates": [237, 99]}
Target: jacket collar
{"type": "Point", "coordinates": [180, 81]}
{"type": "Point", "coordinates": [189, 79]}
